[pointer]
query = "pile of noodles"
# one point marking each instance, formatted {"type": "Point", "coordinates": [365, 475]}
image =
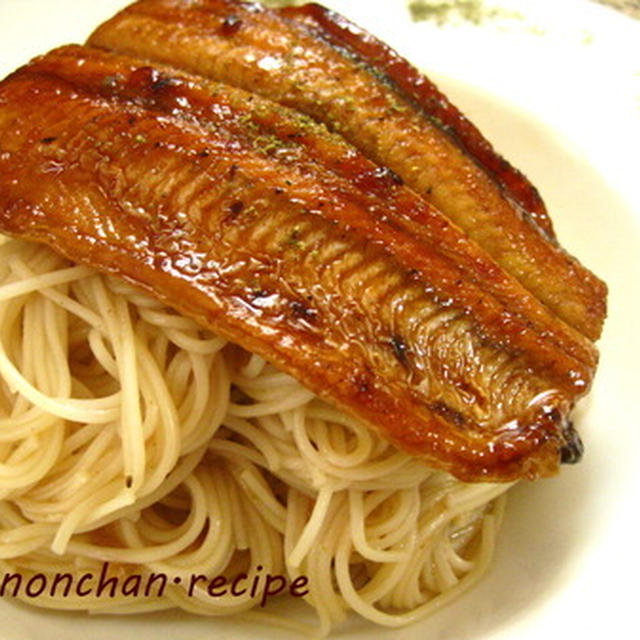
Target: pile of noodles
{"type": "Point", "coordinates": [131, 436]}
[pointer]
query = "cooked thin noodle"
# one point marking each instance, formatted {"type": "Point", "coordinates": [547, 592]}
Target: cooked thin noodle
{"type": "Point", "coordinates": [130, 435]}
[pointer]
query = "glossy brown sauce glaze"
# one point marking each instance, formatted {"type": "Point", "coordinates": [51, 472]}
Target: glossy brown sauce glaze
{"type": "Point", "coordinates": [278, 55]}
{"type": "Point", "coordinates": [516, 318]}
{"type": "Point", "coordinates": [426, 96]}
{"type": "Point", "coordinates": [248, 218]}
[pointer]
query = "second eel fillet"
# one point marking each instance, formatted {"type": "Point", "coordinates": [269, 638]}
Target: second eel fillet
{"type": "Point", "coordinates": [317, 62]}
{"type": "Point", "coordinates": [275, 233]}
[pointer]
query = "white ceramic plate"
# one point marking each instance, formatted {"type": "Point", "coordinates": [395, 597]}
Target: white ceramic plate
{"type": "Point", "coordinates": [556, 85]}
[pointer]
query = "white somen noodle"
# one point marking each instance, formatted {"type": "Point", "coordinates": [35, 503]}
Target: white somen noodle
{"type": "Point", "coordinates": [129, 435]}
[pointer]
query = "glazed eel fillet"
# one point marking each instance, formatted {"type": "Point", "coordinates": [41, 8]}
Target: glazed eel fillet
{"type": "Point", "coordinates": [280, 236]}
{"type": "Point", "coordinates": [319, 63]}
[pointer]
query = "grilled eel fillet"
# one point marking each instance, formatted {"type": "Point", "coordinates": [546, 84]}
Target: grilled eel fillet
{"type": "Point", "coordinates": [275, 233]}
{"type": "Point", "coordinates": [317, 62]}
